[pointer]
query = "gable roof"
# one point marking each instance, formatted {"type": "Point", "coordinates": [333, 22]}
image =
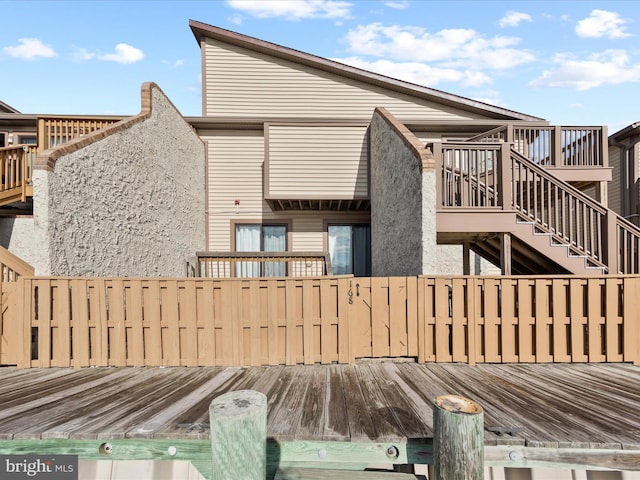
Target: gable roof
{"type": "Point", "coordinates": [202, 30]}
{"type": "Point", "coordinates": [4, 108]}
{"type": "Point", "coordinates": [626, 132]}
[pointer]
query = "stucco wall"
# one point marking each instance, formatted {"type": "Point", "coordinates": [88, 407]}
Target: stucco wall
{"type": "Point", "coordinates": [397, 222]}
{"type": "Point", "coordinates": [129, 203]}
{"type": "Point", "coordinates": [19, 236]}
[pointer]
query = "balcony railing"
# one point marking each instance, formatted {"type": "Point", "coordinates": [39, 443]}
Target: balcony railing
{"type": "Point", "coordinates": [554, 146]}
{"type": "Point", "coordinates": [53, 131]}
{"type": "Point", "coordinates": [16, 169]}
{"type": "Point", "coordinates": [262, 264]}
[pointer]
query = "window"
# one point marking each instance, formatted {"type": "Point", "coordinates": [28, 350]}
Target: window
{"type": "Point", "coordinates": [27, 140]}
{"type": "Point", "coordinates": [260, 238]}
{"type": "Point", "coordinates": [350, 249]}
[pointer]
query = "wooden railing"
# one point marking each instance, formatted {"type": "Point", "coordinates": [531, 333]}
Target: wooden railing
{"type": "Point", "coordinates": [553, 146]}
{"type": "Point", "coordinates": [558, 208]}
{"type": "Point", "coordinates": [492, 175]}
{"type": "Point", "coordinates": [152, 322]}
{"type": "Point", "coordinates": [53, 131]}
{"type": "Point", "coordinates": [12, 267]}
{"type": "Point", "coordinates": [262, 264]}
{"type": "Point", "coordinates": [16, 169]}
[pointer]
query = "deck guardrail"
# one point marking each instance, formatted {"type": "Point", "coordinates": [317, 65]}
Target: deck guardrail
{"type": "Point", "coordinates": [53, 131]}
{"type": "Point", "coordinates": [557, 146]}
{"type": "Point", "coordinates": [262, 264]}
{"type": "Point", "coordinates": [16, 170]}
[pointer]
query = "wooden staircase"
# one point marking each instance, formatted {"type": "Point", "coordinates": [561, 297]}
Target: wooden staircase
{"type": "Point", "coordinates": [498, 198]}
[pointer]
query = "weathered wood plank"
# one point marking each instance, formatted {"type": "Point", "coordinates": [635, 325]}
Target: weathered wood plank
{"type": "Point", "coordinates": [361, 424]}
{"type": "Point", "coordinates": [560, 406]}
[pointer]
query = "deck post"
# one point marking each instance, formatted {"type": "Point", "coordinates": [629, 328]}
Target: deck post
{"type": "Point", "coordinates": [505, 253]}
{"type": "Point", "coordinates": [458, 439]}
{"type": "Point", "coordinates": [238, 422]}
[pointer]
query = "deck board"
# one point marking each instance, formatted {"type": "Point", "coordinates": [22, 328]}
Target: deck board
{"type": "Point", "coordinates": [565, 406]}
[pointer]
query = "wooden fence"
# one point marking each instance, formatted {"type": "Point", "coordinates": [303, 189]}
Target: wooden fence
{"type": "Point", "coordinates": [151, 322]}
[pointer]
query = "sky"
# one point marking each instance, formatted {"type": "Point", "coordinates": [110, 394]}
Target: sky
{"type": "Point", "coordinates": [569, 62]}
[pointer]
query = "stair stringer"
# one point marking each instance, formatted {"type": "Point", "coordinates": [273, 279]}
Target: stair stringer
{"type": "Point", "coordinates": [560, 253]}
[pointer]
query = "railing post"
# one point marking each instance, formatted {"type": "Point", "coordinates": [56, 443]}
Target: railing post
{"type": "Point", "coordinates": [458, 439]}
{"type": "Point", "coordinates": [238, 422]}
{"type": "Point", "coordinates": [509, 138]}
{"type": "Point", "coordinates": [556, 147]}
{"type": "Point", "coordinates": [610, 244]}
{"type": "Point", "coordinates": [504, 176]}
{"type": "Point", "coordinates": [436, 148]}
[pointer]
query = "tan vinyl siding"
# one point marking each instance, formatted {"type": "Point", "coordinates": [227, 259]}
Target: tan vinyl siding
{"type": "Point", "coordinates": [614, 188]}
{"type": "Point", "coordinates": [307, 232]}
{"type": "Point", "coordinates": [235, 173]}
{"type": "Point", "coordinates": [245, 83]}
{"type": "Point", "coordinates": [317, 162]}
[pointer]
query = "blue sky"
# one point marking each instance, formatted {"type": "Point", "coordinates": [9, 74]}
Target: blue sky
{"type": "Point", "coordinates": [570, 62]}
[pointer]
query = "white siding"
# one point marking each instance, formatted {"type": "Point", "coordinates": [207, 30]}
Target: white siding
{"type": "Point", "coordinates": [312, 162]}
{"type": "Point", "coordinates": [244, 83]}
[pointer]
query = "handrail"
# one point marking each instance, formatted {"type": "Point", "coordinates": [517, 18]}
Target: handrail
{"type": "Point", "coordinates": [262, 264]}
{"type": "Point", "coordinates": [12, 267]}
{"type": "Point", "coordinates": [539, 196]}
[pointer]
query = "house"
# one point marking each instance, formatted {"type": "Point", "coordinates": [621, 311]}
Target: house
{"type": "Point", "coordinates": [313, 167]}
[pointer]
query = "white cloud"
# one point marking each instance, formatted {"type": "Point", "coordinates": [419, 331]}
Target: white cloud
{"type": "Point", "coordinates": [602, 23]}
{"type": "Point", "coordinates": [397, 4]}
{"type": "Point", "coordinates": [81, 54]}
{"type": "Point", "coordinates": [29, 49]}
{"type": "Point", "coordinates": [611, 67]}
{"type": "Point", "coordinates": [176, 64]}
{"type": "Point", "coordinates": [293, 9]}
{"type": "Point", "coordinates": [418, 73]}
{"type": "Point", "coordinates": [236, 19]}
{"type": "Point", "coordinates": [125, 54]}
{"type": "Point", "coordinates": [453, 48]}
{"type": "Point", "coordinates": [513, 19]}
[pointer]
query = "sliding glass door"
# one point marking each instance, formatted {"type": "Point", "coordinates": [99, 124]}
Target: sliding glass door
{"type": "Point", "coordinates": [350, 249]}
{"type": "Point", "coordinates": [261, 238]}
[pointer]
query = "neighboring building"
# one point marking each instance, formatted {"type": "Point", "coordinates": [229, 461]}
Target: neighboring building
{"type": "Point", "coordinates": [624, 157]}
{"type": "Point", "coordinates": [307, 156]}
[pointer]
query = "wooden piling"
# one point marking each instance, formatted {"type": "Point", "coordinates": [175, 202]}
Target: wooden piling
{"type": "Point", "coordinates": [239, 435]}
{"type": "Point", "coordinates": [458, 439]}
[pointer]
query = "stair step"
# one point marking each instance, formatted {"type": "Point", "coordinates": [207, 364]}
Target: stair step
{"type": "Point", "coordinates": [320, 474]}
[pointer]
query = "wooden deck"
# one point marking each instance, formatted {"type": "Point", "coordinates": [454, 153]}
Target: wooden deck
{"type": "Point", "coordinates": [528, 407]}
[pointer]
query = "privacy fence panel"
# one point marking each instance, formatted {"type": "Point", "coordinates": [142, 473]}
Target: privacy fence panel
{"type": "Point", "coordinates": [80, 322]}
